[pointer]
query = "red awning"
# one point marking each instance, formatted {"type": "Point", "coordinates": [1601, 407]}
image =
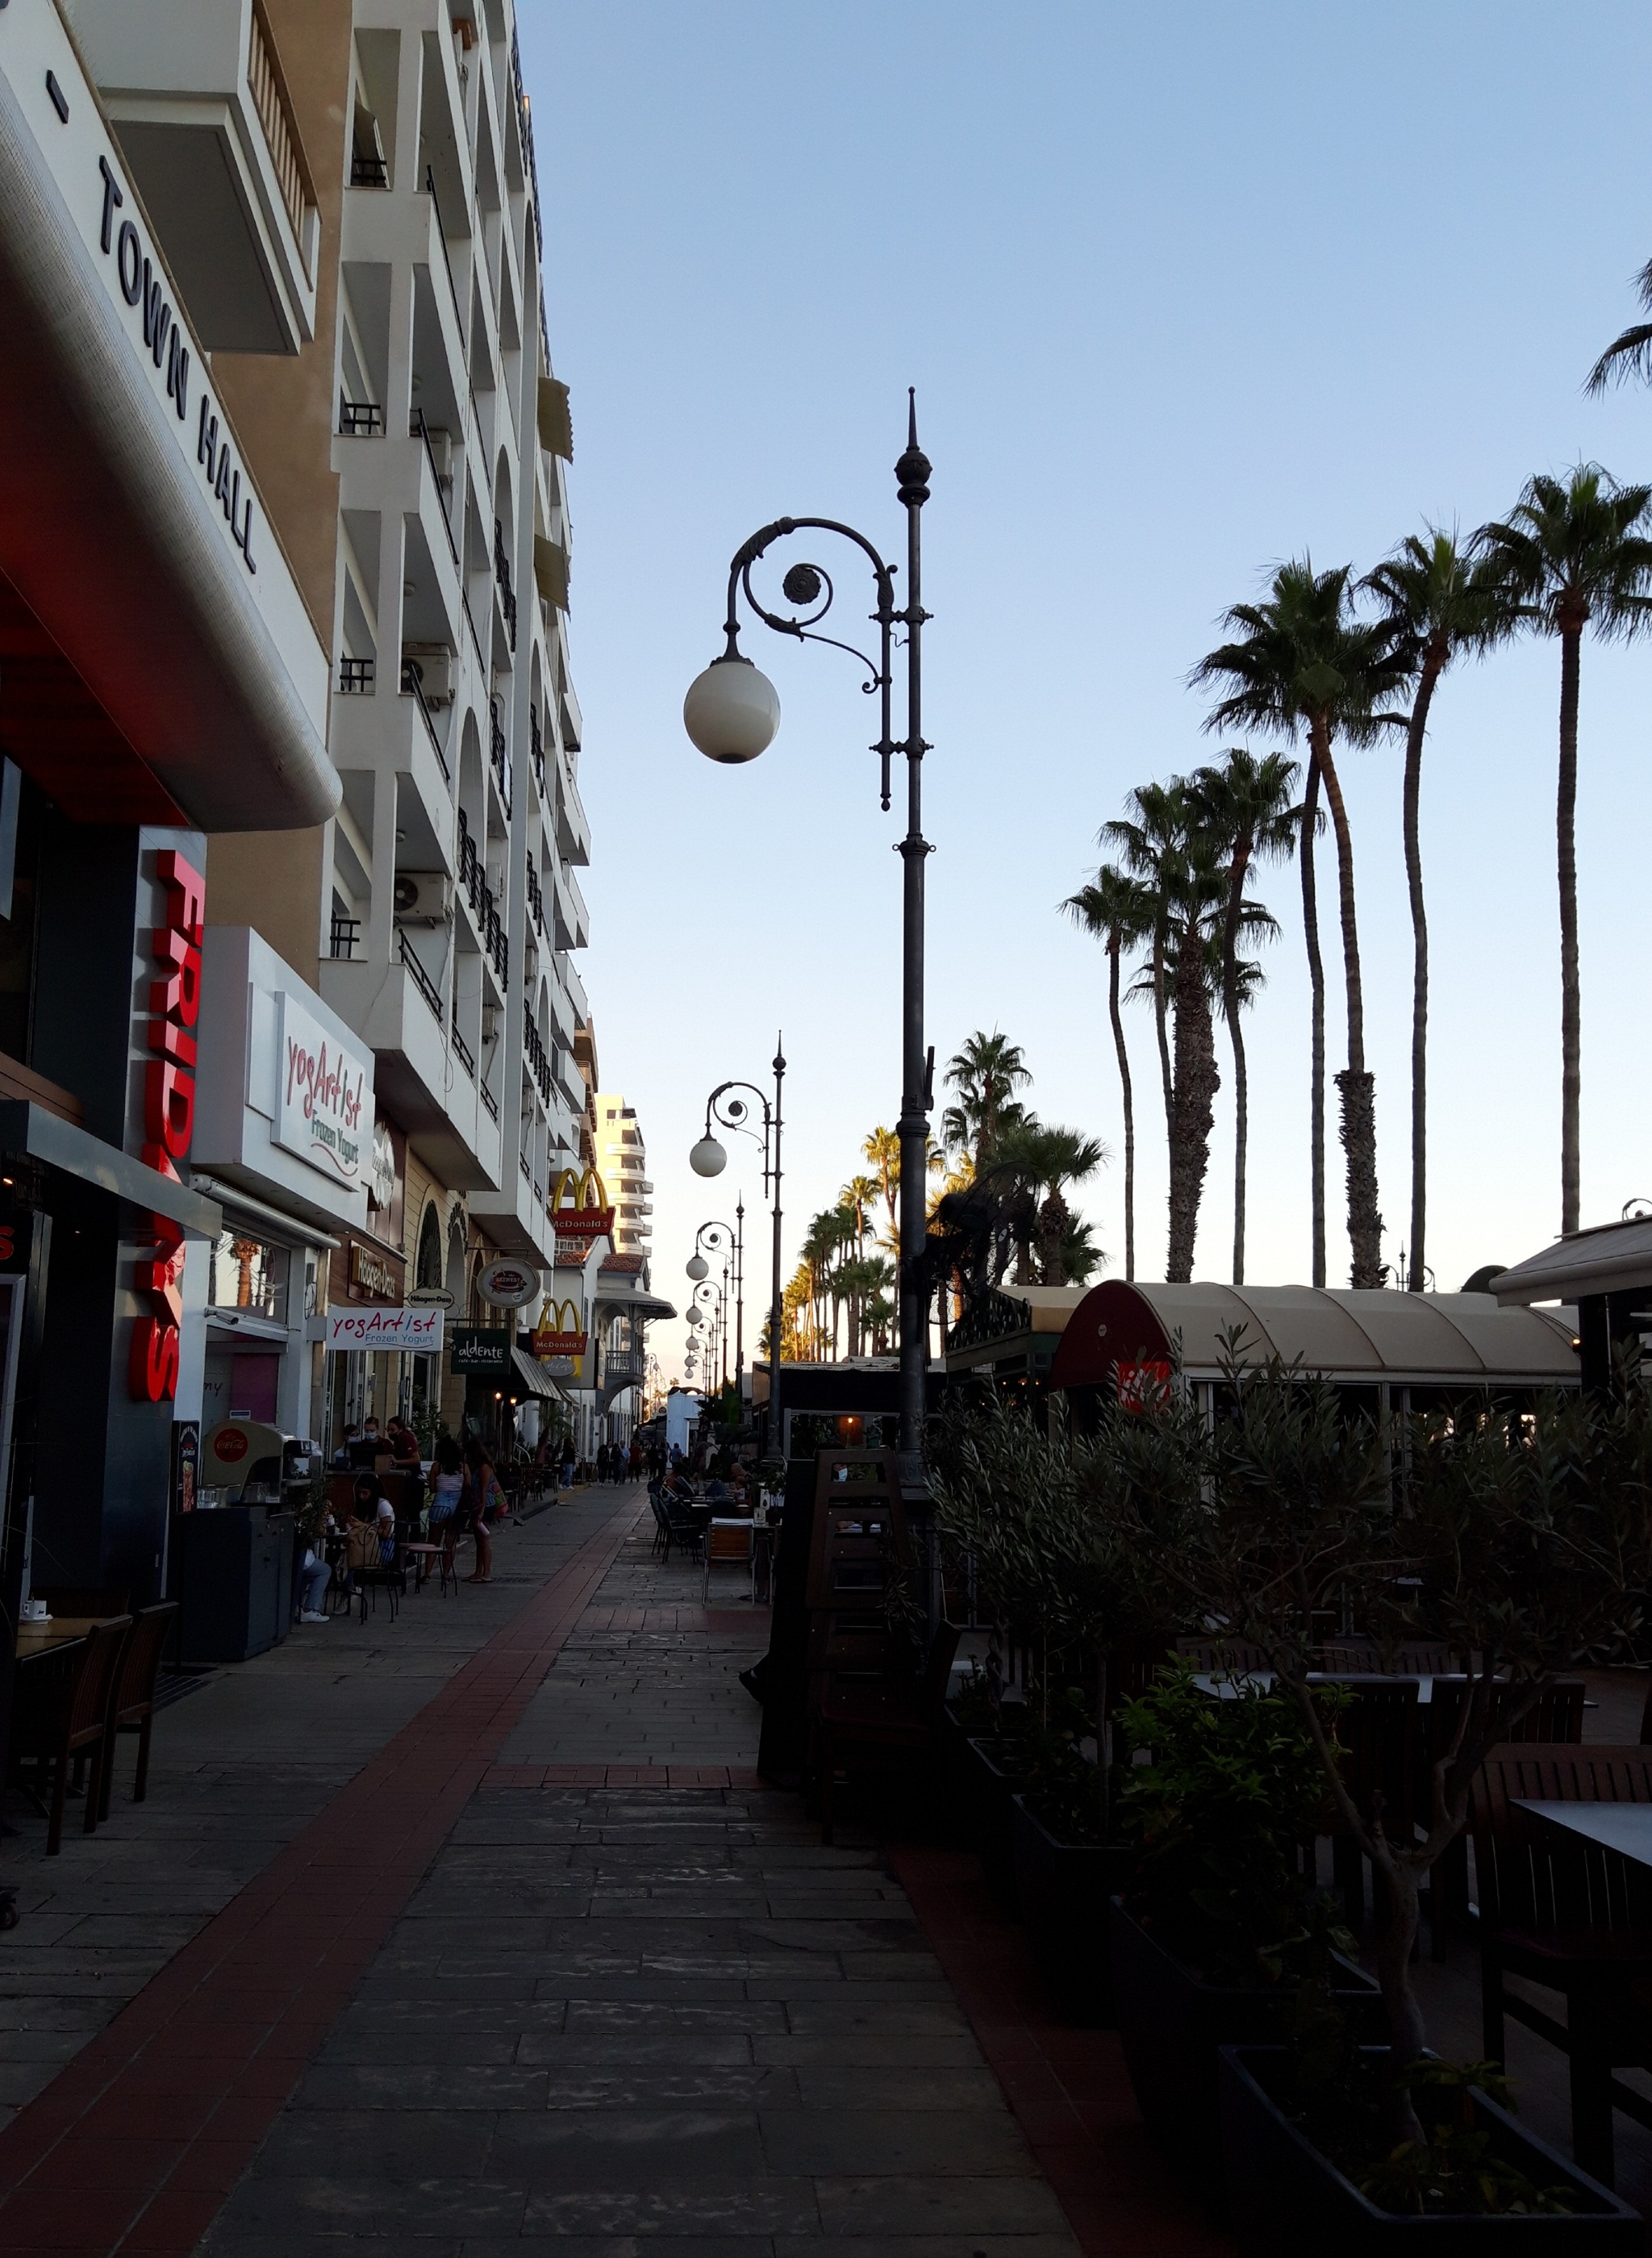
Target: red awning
{"type": "Point", "coordinates": [1112, 1325]}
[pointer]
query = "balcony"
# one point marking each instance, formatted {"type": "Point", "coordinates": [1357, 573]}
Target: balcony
{"type": "Point", "coordinates": [200, 110]}
{"type": "Point", "coordinates": [402, 1011]}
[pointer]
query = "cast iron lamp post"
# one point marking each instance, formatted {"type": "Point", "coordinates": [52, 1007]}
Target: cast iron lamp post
{"type": "Point", "coordinates": [732, 712]}
{"type": "Point", "coordinates": [709, 1159]}
{"type": "Point", "coordinates": [724, 1241]}
{"type": "Point", "coordinates": [717, 1346]}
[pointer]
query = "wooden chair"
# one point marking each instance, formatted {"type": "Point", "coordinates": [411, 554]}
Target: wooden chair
{"type": "Point", "coordinates": [63, 1717]}
{"type": "Point", "coordinates": [1556, 1715]}
{"type": "Point", "coordinates": [1573, 1919]}
{"type": "Point", "coordinates": [381, 1575]}
{"type": "Point", "coordinates": [728, 1543]}
{"type": "Point", "coordinates": [891, 1723]}
{"type": "Point", "coordinates": [132, 1707]}
{"type": "Point", "coordinates": [1379, 1736]}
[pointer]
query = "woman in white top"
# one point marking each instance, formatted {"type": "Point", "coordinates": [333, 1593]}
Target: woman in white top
{"type": "Point", "coordinates": [447, 1485]}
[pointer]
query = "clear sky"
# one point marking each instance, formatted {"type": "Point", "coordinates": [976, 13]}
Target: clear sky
{"type": "Point", "coordinates": [1185, 290]}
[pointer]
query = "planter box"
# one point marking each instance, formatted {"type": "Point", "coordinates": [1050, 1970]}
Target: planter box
{"type": "Point", "coordinates": [1062, 1890]}
{"type": "Point", "coordinates": [1172, 2026]}
{"type": "Point", "coordinates": [997, 1780]}
{"type": "Point", "coordinates": [1285, 2201]}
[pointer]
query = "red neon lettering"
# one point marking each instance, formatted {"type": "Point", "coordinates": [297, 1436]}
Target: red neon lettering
{"type": "Point", "coordinates": [169, 1106]}
{"type": "Point", "coordinates": [180, 992]}
{"type": "Point", "coordinates": [152, 1372]}
{"type": "Point", "coordinates": [169, 1120]}
{"type": "Point", "coordinates": [186, 892]}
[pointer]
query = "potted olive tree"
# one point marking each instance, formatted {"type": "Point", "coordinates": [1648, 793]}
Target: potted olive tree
{"type": "Point", "coordinates": [1522, 1540]}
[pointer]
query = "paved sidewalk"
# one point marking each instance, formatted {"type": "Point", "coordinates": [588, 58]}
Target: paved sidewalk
{"type": "Point", "coordinates": [240, 1765]}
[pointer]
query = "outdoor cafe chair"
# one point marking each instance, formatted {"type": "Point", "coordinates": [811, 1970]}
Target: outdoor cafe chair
{"type": "Point", "coordinates": [1367, 1657]}
{"type": "Point", "coordinates": [132, 1707]}
{"type": "Point", "coordinates": [1378, 1735]}
{"type": "Point", "coordinates": [1570, 1917]}
{"type": "Point", "coordinates": [1557, 1715]}
{"type": "Point", "coordinates": [728, 1543]}
{"type": "Point", "coordinates": [57, 1718]}
{"type": "Point", "coordinates": [381, 1575]}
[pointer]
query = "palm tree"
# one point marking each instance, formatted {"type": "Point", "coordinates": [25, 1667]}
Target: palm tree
{"type": "Point", "coordinates": [1246, 804]}
{"type": "Point", "coordinates": [1118, 910]}
{"type": "Point", "coordinates": [1301, 662]}
{"type": "Point", "coordinates": [1573, 553]}
{"type": "Point", "coordinates": [1147, 841]}
{"type": "Point", "coordinates": [1630, 354]}
{"type": "Point", "coordinates": [1059, 1157]}
{"type": "Point", "coordinates": [1192, 959]}
{"type": "Point", "coordinates": [1437, 599]}
{"type": "Point", "coordinates": [883, 1150]}
{"type": "Point", "coordinates": [986, 1074]}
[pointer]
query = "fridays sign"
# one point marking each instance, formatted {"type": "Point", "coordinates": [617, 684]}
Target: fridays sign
{"type": "Point", "coordinates": [323, 1098]}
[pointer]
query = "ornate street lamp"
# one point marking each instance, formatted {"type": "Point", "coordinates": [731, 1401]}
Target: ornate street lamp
{"type": "Point", "coordinates": [708, 1158]}
{"type": "Point", "coordinates": [727, 1241]}
{"type": "Point", "coordinates": [731, 712]}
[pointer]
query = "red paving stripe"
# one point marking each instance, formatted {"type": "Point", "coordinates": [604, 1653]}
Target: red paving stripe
{"type": "Point", "coordinates": [1068, 2088]}
{"type": "Point", "coordinates": [540, 1776]}
{"type": "Point", "coordinates": [223, 2032]}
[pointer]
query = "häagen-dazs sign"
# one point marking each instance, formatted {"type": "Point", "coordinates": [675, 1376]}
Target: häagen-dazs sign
{"type": "Point", "coordinates": [323, 1098]}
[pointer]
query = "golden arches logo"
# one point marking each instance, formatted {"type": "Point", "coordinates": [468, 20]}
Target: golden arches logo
{"type": "Point", "coordinates": [559, 1318]}
{"type": "Point", "coordinates": [589, 1192]}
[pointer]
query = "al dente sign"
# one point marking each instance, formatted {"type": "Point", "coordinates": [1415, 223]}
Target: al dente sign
{"type": "Point", "coordinates": [169, 1119]}
{"type": "Point", "coordinates": [322, 1096]}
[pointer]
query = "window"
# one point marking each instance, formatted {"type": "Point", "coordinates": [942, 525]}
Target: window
{"type": "Point", "coordinates": [244, 1274]}
{"type": "Point", "coordinates": [429, 1263]}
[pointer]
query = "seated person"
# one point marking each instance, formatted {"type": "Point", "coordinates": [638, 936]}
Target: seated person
{"type": "Point", "coordinates": [717, 1492]}
{"type": "Point", "coordinates": [363, 1544]}
{"type": "Point", "coordinates": [341, 1456]}
{"type": "Point", "coordinates": [368, 1446]}
{"type": "Point", "coordinates": [387, 1526]}
{"type": "Point", "coordinates": [314, 1576]}
{"type": "Point", "coordinates": [678, 1490]}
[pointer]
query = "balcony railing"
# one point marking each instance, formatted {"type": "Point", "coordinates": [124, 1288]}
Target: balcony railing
{"type": "Point", "coordinates": [496, 752]}
{"type": "Point", "coordinates": [356, 677]}
{"type": "Point", "coordinates": [411, 687]}
{"type": "Point", "coordinates": [526, 1166]}
{"type": "Point", "coordinates": [502, 575]}
{"type": "Point", "coordinates": [367, 171]}
{"type": "Point", "coordinates": [537, 747]}
{"type": "Point", "coordinates": [534, 1057]}
{"type": "Point", "coordinates": [441, 235]}
{"type": "Point", "coordinates": [421, 979]}
{"type": "Point", "coordinates": [490, 1101]}
{"type": "Point", "coordinates": [343, 936]}
{"type": "Point", "coordinates": [466, 1055]}
{"type": "Point", "coordinates": [535, 898]}
{"type": "Point", "coordinates": [269, 94]}
{"type": "Point", "coordinates": [420, 430]}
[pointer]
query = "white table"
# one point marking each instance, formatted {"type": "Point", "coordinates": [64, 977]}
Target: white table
{"type": "Point", "coordinates": [1625, 1828]}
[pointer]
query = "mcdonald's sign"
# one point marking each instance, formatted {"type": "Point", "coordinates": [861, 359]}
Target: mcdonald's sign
{"type": "Point", "coordinates": [558, 1333]}
{"type": "Point", "coordinates": [587, 1214]}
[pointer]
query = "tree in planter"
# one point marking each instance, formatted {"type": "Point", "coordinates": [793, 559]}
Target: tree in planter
{"type": "Point", "coordinates": [1052, 1552]}
{"type": "Point", "coordinates": [1523, 1543]}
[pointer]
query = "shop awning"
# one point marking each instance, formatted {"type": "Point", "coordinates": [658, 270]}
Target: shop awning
{"type": "Point", "coordinates": [157, 659]}
{"type": "Point", "coordinates": [534, 1377]}
{"type": "Point", "coordinates": [1612, 1257]}
{"type": "Point", "coordinates": [59, 1144]}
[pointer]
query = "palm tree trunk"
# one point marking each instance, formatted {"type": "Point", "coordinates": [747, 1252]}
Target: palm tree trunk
{"type": "Point", "coordinates": [1130, 1107]}
{"type": "Point", "coordinates": [1230, 1007]}
{"type": "Point", "coordinates": [1571, 998]}
{"type": "Point", "coordinates": [1196, 1084]}
{"type": "Point", "coordinates": [1316, 987]}
{"type": "Point", "coordinates": [1355, 1088]}
{"type": "Point", "coordinates": [1162, 1014]}
{"type": "Point", "coordinates": [1414, 735]}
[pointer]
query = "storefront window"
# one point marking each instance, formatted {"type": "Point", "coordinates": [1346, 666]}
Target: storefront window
{"type": "Point", "coordinates": [246, 1274]}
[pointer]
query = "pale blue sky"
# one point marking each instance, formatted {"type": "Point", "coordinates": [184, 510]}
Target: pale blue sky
{"type": "Point", "coordinates": [1184, 290]}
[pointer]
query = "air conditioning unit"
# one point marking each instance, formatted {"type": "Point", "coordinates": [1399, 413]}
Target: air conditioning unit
{"type": "Point", "coordinates": [423, 897]}
{"type": "Point", "coordinates": [433, 667]}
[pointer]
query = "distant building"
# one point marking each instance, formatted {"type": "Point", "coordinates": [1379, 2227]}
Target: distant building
{"type": "Point", "coordinates": [622, 1163]}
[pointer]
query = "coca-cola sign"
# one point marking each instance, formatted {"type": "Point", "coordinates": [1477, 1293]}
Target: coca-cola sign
{"type": "Point", "coordinates": [323, 1098]}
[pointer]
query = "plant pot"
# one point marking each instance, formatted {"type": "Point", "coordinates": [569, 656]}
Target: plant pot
{"type": "Point", "coordinates": [1285, 2200]}
{"type": "Point", "coordinates": [1062, 1890]}
{"type": "Point", "coordinates": [1172, 2026]}
{"type": "Point", "coordinates": [997, 1777]}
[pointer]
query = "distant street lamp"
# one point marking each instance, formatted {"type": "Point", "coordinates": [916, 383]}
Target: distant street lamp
{"type": "Point", "coordinates": [716, 1348]}
{"type": "Point", "coordinates": [727, 1241]}
{"type": "Point", "coordinates": [708, 1159]}
{"type": "Point", "coordinates": [732, 712]}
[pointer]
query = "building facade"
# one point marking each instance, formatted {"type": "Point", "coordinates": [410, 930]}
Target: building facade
{"type": "Point", "coordinates": [621, 1161]}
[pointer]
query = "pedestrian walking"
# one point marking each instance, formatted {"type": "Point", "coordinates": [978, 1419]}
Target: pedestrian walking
{"type": "Point", "coordinates": [602, 1462]}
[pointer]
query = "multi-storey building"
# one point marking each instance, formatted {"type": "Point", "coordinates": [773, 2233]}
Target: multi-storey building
{"type": "Point", "coordinates": [380, 340]}
{"type": "Point", "coordinates": [622, 1161]}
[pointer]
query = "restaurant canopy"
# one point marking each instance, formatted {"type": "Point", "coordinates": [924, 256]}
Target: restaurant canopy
{"type": "Point", "coordinates": [1369, 1337]}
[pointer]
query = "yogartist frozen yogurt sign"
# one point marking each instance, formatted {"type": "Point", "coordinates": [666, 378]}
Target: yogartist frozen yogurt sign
{"type": "Point", "coordinates": [323, 1098]}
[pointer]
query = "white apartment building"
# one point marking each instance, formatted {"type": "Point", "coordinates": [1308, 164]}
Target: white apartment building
{"type": "Point", "coordinates": [622, 1163]}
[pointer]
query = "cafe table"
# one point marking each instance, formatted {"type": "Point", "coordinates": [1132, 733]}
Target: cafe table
{"type": "Point", "coordinates": [38, 1638]}
{"type": "Point", "coordinates": [1625, 1828]}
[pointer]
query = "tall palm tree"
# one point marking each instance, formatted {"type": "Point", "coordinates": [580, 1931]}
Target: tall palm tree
{"type": "Point", "coordinates": [1437, 599]}
{"type": "Point", "coordinates": [1148, 841]}
{"type": "Point", "coordinates": [883, 1150]}
{"type": "Point", "coordinates": [1119, 910]}
{"type": "Point", "coordinates": [986, 1074]}
{"type": "Point", "coordinates": [1301, 664]}
{"type": "Point", "coordinates": [1573, 553]}
{"type": "Point", "coordinates": [1630, 354]}
{"type": "Point", "coordinates": [1061, 1157]}
{"type": "Point", "coordinates": [1194, 960]}
{"type": "Point", "coordinates": [1247, 806]}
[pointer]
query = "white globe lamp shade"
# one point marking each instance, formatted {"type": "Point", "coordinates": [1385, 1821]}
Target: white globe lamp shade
{"type": "Point", "coordinates": [697, 1266]}
{"type": "Point", "coordinates": [708, 1158]}
{"type": "Point", "coordinates": [732, 711]}
{"type": "Point", "coordinates": [696, 1318]}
